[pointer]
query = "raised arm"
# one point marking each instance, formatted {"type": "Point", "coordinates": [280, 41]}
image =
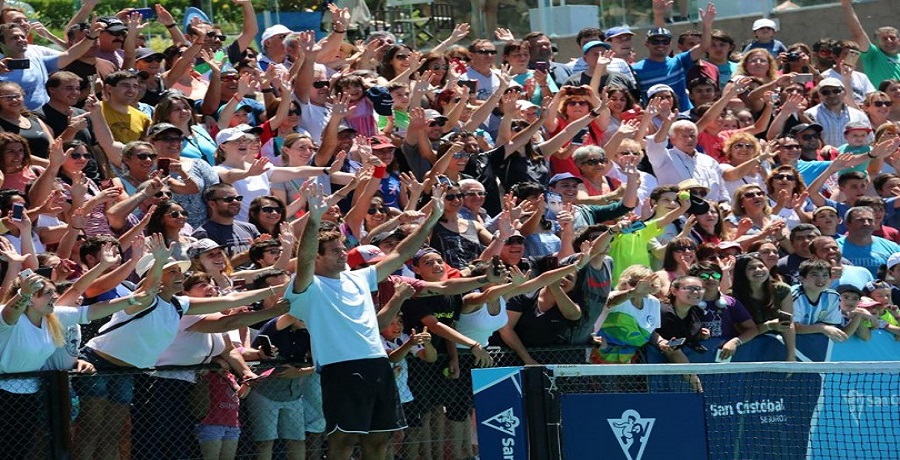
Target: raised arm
{"type": "Point", "coordinates": [856, 28]}
{"type": "Point", "coordinates": [309, 242]}
{"type": "Point", "coordinates": [408, 247]}
{"type": "Point", "coordinates": [250, 28]}
{"type": "Point", "coordinates": [707, 17]}
{"type": "Point", "coordinates": [166, 19]}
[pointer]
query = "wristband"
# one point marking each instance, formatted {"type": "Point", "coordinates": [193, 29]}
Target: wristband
{"type": "Point", "coordinates": [595, 112]}
{"type": "Point", "coordinates": [472, 347]}
{"type": "Point", "coordinates": [380, 172]}
{"type": "Point", "coordinates": [91, 38]}
{"type": "Point", "coordinates": [740, 342]}
{"type": "Point", "coordinates": [267, 90]}
{"type": "Point", "coordinates": [874, 157]}
{"type": "Point", "coordinates": [171, 26]}
{"type": "Point", "coordinates": [325, 171]}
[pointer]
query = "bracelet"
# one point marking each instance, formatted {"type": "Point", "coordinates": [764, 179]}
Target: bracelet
{"type": "Point", "coordinates": [267, 90]}
{"type": "Point", "coordinates": [472, 347]}
{"type": "Point", "coordinates": [740, 342]}
{"type": "Point", "coordinates": [874, 157]}
{"type": "Point", "coordinates": [325, 171]}
{"type": "Point", "coordinates": [595, 112]}
{"type": "Point", "coordinates": [171, 26]}
{"type": "Point", "coordinates": [91, 38]}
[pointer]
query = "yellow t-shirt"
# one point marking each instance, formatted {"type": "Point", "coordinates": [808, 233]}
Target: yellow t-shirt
{"type": "Point", "coordinates": [126, 127]}
{"type": "Point", "coordinates": [631, 249]}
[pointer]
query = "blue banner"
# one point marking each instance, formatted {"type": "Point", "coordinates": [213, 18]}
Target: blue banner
{"type": "Point", "coordinates": [632, 426]}
{"type": "Point", "coordinates": [500, 413]}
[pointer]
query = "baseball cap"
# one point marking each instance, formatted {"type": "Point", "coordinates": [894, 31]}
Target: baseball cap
{"type": "Point", "coordinates": [382, 237]}
{"type": "Point", "coordinates": [563, 176]}
{"type": "Point", "coordinates": [364, 254]}
{"type": "Point", "coordinates": [830, 81]}
{"type": "Point", "coordinates": [658, 88]}
{"type": "Point", "coordinates": [616, 31]}
{"type": "Point", "coordinates": [857, 126]}
{"type": "Point", "coordinates": [146, 263]}
{"type": "Point", "coordinates": [144, 53]}
{"type": "Point", "coordinates": [380, 142]}
{"type": "Point", "coordinates": [659, 32]}
{"type": "Point", "coordinates": [516, 235]}
{"type": "Point", "coordinates": [893, 260]}
{"type": "Point", "coordinates": [522, 104]}
{"type": "Point", "coordinates": [202, 245]}
{"type": "Point", "coordinates": [761, 23]}
{"type": "Point", "coordinates": [235, 133]}
{"type": "Point", "coordinates": [113, 24]}
{"type": "Point", "coordinates": [272, 31]}
{"type": "Point", "coordinates": [160, 128]}
{"type": "Point", "coordinates": [729, 245]}
{"type": "Point", "coordinates": [868, 302]}
{"type": "Point", "coordinates": [804, 126]}
{"type": "Point", "coordinates": [849, 288]}
{"type": "Point", "coordinates": [431, 114]}
{"type": "Point", "coordinates": [593, 44]}
{"type": "Point", "coordinates": [824, 208]}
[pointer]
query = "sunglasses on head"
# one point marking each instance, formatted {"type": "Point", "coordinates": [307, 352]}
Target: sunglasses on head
{"type": "Point", "coordinates": [230, 199]}
{"type": "Point", "coordinates": [321, 84]}
{"type": "Point", "coordinates": [146, 156]}
{"type": "Point", "coordinates": [177, 214]}
{"type": "Point", "coordinates": [376, 210]}
{"type": "Point", "coordinates": [270, 209]}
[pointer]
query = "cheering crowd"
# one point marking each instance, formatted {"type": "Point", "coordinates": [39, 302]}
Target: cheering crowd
{"type": "Point", "coordinates": [370, 221]}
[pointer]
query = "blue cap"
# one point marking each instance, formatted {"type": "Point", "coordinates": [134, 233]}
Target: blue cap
{"type": "Point", "coordinates": [563, 176]}
{"type": "Point", "coordinates": [659, 32]}
{"type": "Point", "coordinates": [616, 31]}
{"type": "Point", "coordinates": [593, 44]}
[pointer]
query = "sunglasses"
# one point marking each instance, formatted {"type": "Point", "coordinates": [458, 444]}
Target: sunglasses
{"type": "Point", "coordinates": [453, 196]}
{"type": "Point", "coordinates": [229, 199]}
{"type": "Point", "coordinates": [234, 78]}
{"type": "Point", "coordinates": [514, 89]}
{"type": "Point", "coordinates": [170, 139]}
{"type": "Point", "coordinates": [486, 52]}
{"type": "Point", "coordinates": [401, 57]}
{"type": "Point", "coordinates": [660, 41]}
{"type": "Point", "coordinates": [833, 92]}
{"type": "Point", "coordinates": [214, 35]}
{"type": "Point", "coordinates": [476, 193]}
{"type": "Point", "coordinates": [321, 84]}
{"type": "Point", "coordinates": [270, 209]}
{"type": "Point", "coordinates": [595, 161]}
{"type": "Point", "coordinates": [809, 137]}
{"type": "Point", "coordinates": [437, 123]}
{"type": "Point", "coordinates": [683, 248]}
{"type": "Point", "coordinates": [146, 156]}
{"type": "Point", "coordinates": [162, 194]}
{"type": "Point", "coordinates": [78, 156]}
{"type": "Point", "coordinates": [754, 194]}
{"type": "Point", "coordinates": [577, 103]}
{"type": "Point", "coordinates": [177, 214]}
{"type": "Point", "coordinates": [742, 145]}
{"type": "Point", "coordinates": [693, 289]}
{"type": "Point", "coordinates": [784, 177]}
{"type": "Point", "coordinates": [439, 67]}
{"type": "Point", "coordinates": [712, 275]}
{"type": "Point", "coordinates": [791, 146]}
{"type": "Point", "coordinates": [629, 152]}
{"type": "Point", "coordinates": [374, 210]}
{"type": "Point", "coordinates": [515, 240]}
{"type": "Point", "coordinates": [461, 155]}
{"type": "Point", "coordinates": [882, 103]}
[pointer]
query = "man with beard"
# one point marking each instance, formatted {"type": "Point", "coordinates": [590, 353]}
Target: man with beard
{"type": "Point", "coordinates": [224, 204]}
{"type": "Point", "coordinates": [881, 62]}
{"type": "Point", "coordinates": [541, 50]}
{"type": "Point", "coordinates": [832, 113]}
{"type": "Point", "coordinates": [826, 248]}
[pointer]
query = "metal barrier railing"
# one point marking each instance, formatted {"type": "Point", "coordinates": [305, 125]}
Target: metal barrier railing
{"type": "Point", "coordinates": [194, 412]}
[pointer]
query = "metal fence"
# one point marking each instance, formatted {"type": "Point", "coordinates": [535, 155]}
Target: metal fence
{"type": "Point", "coordinates": [190, 412]}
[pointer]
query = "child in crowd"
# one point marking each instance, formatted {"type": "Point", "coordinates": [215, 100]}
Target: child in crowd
{"type": "Point", "coordinates": [817, 309]}
{"type": "Point", "coordinates": [857, 135]}
{"type": "Point", "coordinates": [219, 430]}
{"type": "Point", "coordinates": [852, 314]}
{"type": "Point", "coordinates": [826, 219]}
{"type": "Point", "coordinates": [764, 31]}
{"type": "Point", "coordinates": [398, 121]}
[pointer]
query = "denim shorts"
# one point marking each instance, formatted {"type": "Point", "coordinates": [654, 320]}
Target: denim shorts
{"type": "Point", "coordinates": [118, 388]}
{"type": "Point", "coordinates": [208, 433]}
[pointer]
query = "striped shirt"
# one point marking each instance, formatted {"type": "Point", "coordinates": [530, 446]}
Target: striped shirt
{"type": "Point", "coordinates": [670, 72]}
{"type": "Point", "coordinates": [826, 309]}
{"type": "Point", "coordinates": [833, 123]}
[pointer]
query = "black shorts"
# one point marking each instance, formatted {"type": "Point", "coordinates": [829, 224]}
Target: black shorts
{"type": "Point", "coordinates": [360, 396]}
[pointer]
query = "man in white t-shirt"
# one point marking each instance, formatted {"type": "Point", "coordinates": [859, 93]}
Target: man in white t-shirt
{"type": "Point", "coordinates": [359, 396]}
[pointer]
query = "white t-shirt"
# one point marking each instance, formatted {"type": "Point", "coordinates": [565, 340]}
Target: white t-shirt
{"type": "Point", "coordinates": [64, 358]}
{"type": "Point", "coordinates": [340, 316]}
{"type": "Point", "coordinates": [190, 348]}
{"type": "Point", "coordinates": [142, 341]}
{"type": "Point", "coordinates": [480, 324]}
{"type": "Point", "coordinates": [250, 188]}
{"type": "Point", "coordinates": [25, 348]}
{"type": "Point", "coordinates": [313, 119]}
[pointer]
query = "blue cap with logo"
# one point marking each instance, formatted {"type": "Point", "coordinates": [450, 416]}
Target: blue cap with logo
{"type": "Point", "coordinates": [593, 44]}
{"type": "Point", "coordinates": [616, 31]}
{"type": "Point", "coordinates": [659, 32]}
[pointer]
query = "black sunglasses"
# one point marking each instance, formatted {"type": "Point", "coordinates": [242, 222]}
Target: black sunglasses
{"type": "Point", "coordinates": [882, 103]}
{"type": "Point", "coordinates": [439, 122]}
{"type": "Point", "coordinates": [373, 210]}
{"type": "Point", "coordinates": [177, 214]}
{"type": "Point", "coordinates": [162, 194]}
{"type": "Point", "coordinates": [146, 156]}
{"type": "Point", "coordinates": [595, 161]}
{"type": "Point", "coordinates": [229, 199]}
{"type": "Point", "coordinates": [486, 52]}
{"type": "Point", "coordinates": [78, 156]}
{"type": "Point", "coordinates": [215, 35]}
{"type": "Point", "coordinates": [321, 84]}
{"type": "Point", "coordinates": [270, 209]}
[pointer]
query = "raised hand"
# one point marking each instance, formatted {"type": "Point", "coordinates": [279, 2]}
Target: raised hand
{"type": "Point", "coordinates": [437, 199]}
{"type": "Point", "coordinates": [504, 34]}
{"type": "Point", "coordinates": [315, 199]}
{"type": "Point", "coordinates": [403, 290]}
{"type": "Point", "coordinates": [460, 32]}
{"type": "Point", "coordinates": [10, 254]}
{"type": "Point", "coordinates": [109, 255]}
{"type": "Point", "coordinates": [708, 15]}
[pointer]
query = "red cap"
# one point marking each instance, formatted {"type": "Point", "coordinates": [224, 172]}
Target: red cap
{"type": "Point", "coordinates": [365, 254]}
{"type": "Point", "coordinates": [380, 142]}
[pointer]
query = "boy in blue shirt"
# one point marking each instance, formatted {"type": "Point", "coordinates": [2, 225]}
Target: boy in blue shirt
{"type": "Point", "coordinates": [817, 309]}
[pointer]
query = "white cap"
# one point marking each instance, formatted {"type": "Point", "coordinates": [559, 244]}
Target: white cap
{"type": "Point", "coordinates": [894, 259]}
{"type": "Point", "coordinates": [522, 104]}
{"type": "Point", "coordinates": [830, 81]}
{"type": "Point", "coordinates": [760, 23]}
{"type": "Point", "coordinates": [146, 263]}
{"type": "Point", "coordinates": [658, 88]}
{"type": "Point", "coordinates": [277, 29]}
{"type": "Point", "coordinates": [431, 114]}
{"type": "Point", "coordinates": [237, 132]}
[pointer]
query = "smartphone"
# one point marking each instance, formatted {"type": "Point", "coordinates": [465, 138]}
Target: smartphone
{"type": "Point", "coordinates": [471, 84]}
{"type": "Point", "coordinates": [18, 211]}
{"type": "Point", "coordinates": [162, 164]}
{"type": "Point", "coordinates": [720, 359]}
{"type": "Point", "coordinates": [26, 273]}
{"type": "Point", "coordinates": [495, 262]}
{"type": "Point", "coordinates": [458, 65]}
{"type": "Point", "coordinates": [444, 180]}
{"type": "Point", "coordinates": [543, 66]}
{"type": "Point", "coordinates": [578, 139]}
{"type": "Point", "coordinates": [239, 284]}
{"type": "Point", "coordinates": [92, 84]}
{"type": "Point", "coordinates": [635, 226]}
{"type": "Point", "coordinates": [14, 64]}
{"type": "Point", "coordinates": [784, 317]}
{"type": "Point", "coordinates": [146, 13]}
{"type": "Point", "coordinates": [852, 58]}
{"type": "Point", "coordinates": [676, 343]}
{"type": "Point", "coordinates": [45, 271]}
{"type": "Point", "coordinates": [803, 78]}
{"type": "Point", "coordinates": [265, 345]}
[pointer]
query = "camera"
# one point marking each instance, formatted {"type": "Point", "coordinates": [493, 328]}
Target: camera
{"type": "Point", "coordinates": [793, 56]}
